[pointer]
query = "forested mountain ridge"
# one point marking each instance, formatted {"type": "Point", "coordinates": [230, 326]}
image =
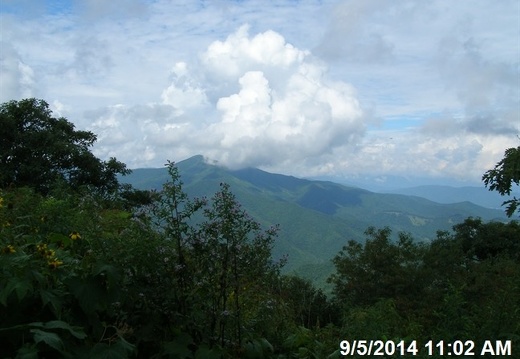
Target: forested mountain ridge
{"type": "Point", "coordinates": [449, 194]}
{"type": "Point", "coordinates": [316, 218]}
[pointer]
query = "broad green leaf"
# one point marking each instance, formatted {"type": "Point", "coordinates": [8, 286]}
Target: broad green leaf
{"type": "Point", "coordinates": [40, 278]}
{"type": "Point", "coordinates": [50, 296]}
{"type": "Point", "coordinates": [253, 350]}
{"type": "Point", "coordinates": [51, 339]}
{"type": "Point", "coordinates": [335, 355]}
{"type": "Point", "coordinates": [27, 352]}
{"type": "Point", "coordinates": [23, 326]}
{"type": "Point", "coordinates": [123, 344]}
{"type": "Point", "coordinates": [21, 287]}
{"type": "Point", "coordinates": [120, 349]}
{"type": "Point", "coordinates": [266, 346]}
{"type": "Point", "coordinates": [58, 324]}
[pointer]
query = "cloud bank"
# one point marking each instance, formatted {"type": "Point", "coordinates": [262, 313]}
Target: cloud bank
{"type": "Point", "coordinates": [250, 100]}
{"type": "Point", "coordinates": [331, 88]}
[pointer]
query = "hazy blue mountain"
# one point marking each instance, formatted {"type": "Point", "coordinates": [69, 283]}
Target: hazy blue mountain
{"type": "Point", "coordinates": [390, 183]}
{"type": "Point", "coordinates": [316, 218]}
{"type": "Point", "coordinates": [447, 194]}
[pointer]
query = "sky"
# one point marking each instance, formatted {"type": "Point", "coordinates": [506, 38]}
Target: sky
{"type": "Point", "coordinates": [341, 89]}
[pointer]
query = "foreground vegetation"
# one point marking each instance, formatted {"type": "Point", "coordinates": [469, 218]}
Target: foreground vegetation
{"type": "Point", "coordinates": [91, 269]}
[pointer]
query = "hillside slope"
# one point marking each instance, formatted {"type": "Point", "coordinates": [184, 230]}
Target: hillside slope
{"type": "Point", "coordinates": [316, 218]}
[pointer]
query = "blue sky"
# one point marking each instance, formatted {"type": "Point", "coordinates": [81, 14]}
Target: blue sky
{"type": "Point", "coordinates": [342, 89]}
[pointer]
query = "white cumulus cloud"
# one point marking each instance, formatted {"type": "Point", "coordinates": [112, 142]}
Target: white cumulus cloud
{"type": "Point", "coordinates": [17, 78]}
{"type": "Point", "coordinates": [315, 87]}
{"type": "Point", "coordinates": [252, 101]}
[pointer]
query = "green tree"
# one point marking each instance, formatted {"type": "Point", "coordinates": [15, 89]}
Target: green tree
{"type": "Point", "coordinates": [39, 150]}
{"type": "Point", "coordinates": [309, 306]}
{"type": "Point", "coordinates": [462, 285]}
{"type": "Point", "coordinates": [237, 251]}
{"type": "Point", "coordinates": [502, 177]}
{"type": "Point", "coordinates": [473, 281]}
{"type": "Point", "coordinates": [481, 241]}
{"type": "Point", "coordinates": [378, 269]}
{"type": "Point", "coordinates": [217, 274]}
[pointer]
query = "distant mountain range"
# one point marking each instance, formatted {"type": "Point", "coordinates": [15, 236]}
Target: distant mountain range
{"type": "Point", "coordinates": [443, 191]}
{"type": "Point", "coordinates": [447, 194]}
{"type": "Point", "coordinates": [317, 218]}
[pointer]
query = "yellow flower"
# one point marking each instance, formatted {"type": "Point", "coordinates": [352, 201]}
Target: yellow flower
{"type": "Point", "coordinates": [9, 249]}
{"type": "Point", "coordinates": [55, 263]}
{"type": "Point", "coordinates": [41, 248]}
{"type": "Point", "coordinates": [49, 253]}
{"type": "Point", "coordinates": [74, 236]}
{"type": "Point", "coordinates": [1, 202]}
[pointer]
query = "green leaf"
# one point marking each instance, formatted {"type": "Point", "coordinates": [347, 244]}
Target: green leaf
{"type": "Point", "coordinates": [58, 324]}
{"type": "Point", "coordinates": [27, 352]}
{"type": "Point", "coordinates": [266, 346]}
{"type": "Point", "coordinates": [40, 278]}
{"type": "Point", "coordinates": [50, 296]}
{"type": "Point", "coordinates": [51, 339]}
{"type": "Point", "coordinates": [258, 349]}
{"type": "Point", "coordinates": [335, 355]}
{"type": "Point", "coordinates": [121, 349]}
{"type": "Point", "coordinates": [21, 287]}
{"type": "Point", "coordinates": [253, 350]}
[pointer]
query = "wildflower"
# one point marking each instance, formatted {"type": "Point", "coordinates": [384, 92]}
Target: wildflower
{"type": "Point", "coordinates": [41, 248]}
{"type": "Point", "coordinates": [1, 202]}
{"type": "Point", "coordinates": [9, 249]}
{"type": "Point", "coordinates": [74, 236]}
{"type": "Point", "coordinates": [55, 263]}
{"type": "Point", "coordinates": [44, 251]}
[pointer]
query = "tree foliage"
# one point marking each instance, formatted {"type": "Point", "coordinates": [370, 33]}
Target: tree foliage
{"type": "Point", "coordinates": [463, 284]}
{"type": "Point", "coordinates": [191, 278]}
{"type": "Point", "coordinates": [503, 176]}
{"type": "Point", "coordinates": [39, 150]}
{"type": "Point", "coordinates": [162, 275]}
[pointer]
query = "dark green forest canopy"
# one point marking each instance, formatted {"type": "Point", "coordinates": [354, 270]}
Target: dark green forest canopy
{"type": "Point", "coordinates": [39, 150]}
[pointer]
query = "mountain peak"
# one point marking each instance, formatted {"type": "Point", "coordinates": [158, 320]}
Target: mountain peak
{"type": "Point", "coordinates": [193, 160]}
